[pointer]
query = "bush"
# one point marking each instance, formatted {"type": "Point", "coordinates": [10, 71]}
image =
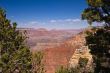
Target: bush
{"type": "Point", "coordinates": [38, 66]}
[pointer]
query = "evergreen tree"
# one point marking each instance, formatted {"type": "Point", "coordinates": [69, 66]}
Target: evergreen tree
{"type": "Point", "coordinates": [97, 11]}
{"type": "Point", "coordinates": [98, 39]}
{"type": "Point", "coordinates": [15, 56]}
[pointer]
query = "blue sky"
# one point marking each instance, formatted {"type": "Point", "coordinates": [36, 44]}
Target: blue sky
{"type": "Point", "coordinates": [50, 14]}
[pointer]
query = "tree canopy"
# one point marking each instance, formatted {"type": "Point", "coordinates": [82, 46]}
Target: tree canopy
{"type": "Point", "coordinates": [98, 39]}
{"type": "Point", "coordinates": [97, 11]}
{"type": "Point", "coordinates": [15, 55]}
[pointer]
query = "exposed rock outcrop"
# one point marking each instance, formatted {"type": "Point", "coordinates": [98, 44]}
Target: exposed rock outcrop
{"type": "Point", "coordinates": [81, 52]}
{"type": "Point", "coordinates": [67, 53]}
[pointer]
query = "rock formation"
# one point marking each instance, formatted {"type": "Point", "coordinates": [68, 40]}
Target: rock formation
{"type": "Point", "coordinates": [63, 53]}
{"type": "Point", "coordinates": [81, 52]}
{"type": "Point", "coordinates": [67, 54]}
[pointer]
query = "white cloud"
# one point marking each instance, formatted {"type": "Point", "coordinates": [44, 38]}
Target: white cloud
{"type": "Point", "coordinates": [53, 21]}
{"type": "Point", "coordinates": [68, 20]}
{"type": "Point", "coordinates": [33, 22]}
{"type": "Point", "coordinates": [76, 20]}
{"type": "Point", "coordinates": [30, 24]}
{"type": "Point", "coordinates": [65, 20]}
{"type": "Point", "coordinates": [59, 23]}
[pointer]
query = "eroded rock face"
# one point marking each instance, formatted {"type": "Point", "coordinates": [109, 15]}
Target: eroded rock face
{"type": "Point", "coordinates": [67, 53]}
{"type": "Point", "coordinates": [81, 52]}
{"type": "Point", "coordinates": [60, 56]}
{"type": "Point", "coordinates": [42, 38]}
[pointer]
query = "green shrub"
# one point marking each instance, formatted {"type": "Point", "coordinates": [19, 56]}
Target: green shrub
{"type": "Point", "coordinates": [38, 66]}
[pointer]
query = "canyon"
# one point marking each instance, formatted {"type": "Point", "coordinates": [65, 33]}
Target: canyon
{"type": "Point", "coordinates": [40, 39]}
{"type": "Point", "coordinates": [60, 47]}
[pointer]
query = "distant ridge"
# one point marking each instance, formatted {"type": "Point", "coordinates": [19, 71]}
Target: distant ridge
{"type": "Point", "coordinates": [25, 28]}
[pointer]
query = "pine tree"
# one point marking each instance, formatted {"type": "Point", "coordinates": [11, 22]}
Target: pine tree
{"type": "Point", "coordinates": [97, 11]}
{"type": "Point", "coordinates": [98, 39]}
{"type": "Point", "coordinates": [15, 56]}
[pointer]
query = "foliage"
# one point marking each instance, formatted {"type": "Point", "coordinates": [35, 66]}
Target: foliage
{"type": "Point", "coordinates": [99, 43]}
{"type": "Point", "coordinates": [81, 68]}
{"type": "Point", "coordinates": [62, 70]}
{"type": "Point", "coordinates": [98, 38]}
{"type": "Point", "coordinates": [38, 66]}
{"type": "Point", "coordinates": [97, 11]}
{"type": "Point", "coordinates": [15, 56]}
{"type": "Point", "coordinates": [83, 62]}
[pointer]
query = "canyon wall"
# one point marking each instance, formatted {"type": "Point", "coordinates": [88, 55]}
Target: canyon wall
{"type": "Point", "coordinates": [60, 47]}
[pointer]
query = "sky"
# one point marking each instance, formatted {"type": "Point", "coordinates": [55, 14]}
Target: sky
{"type": "Point", "coordinates": [50, 14]}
